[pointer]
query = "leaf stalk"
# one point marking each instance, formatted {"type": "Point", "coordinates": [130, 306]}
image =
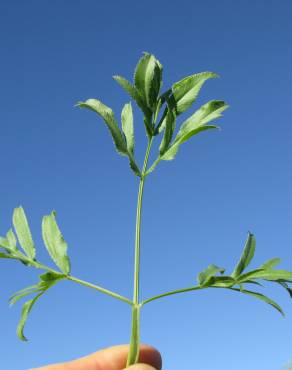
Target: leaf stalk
{"type": "Point", "coordinates": [78, 281]}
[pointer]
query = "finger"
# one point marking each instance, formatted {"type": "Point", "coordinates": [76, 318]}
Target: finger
{"type": "Point", "coordinates": [113, 358]}
{"type": "Point", "coordinates": [141, 367]}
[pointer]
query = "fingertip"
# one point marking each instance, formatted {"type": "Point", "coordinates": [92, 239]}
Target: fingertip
{"type": "Point", "coordinates": [151, 356]}
{"type": "Point", "coordinates": [141, 367]}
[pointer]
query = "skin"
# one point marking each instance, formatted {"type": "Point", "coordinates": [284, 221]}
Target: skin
{"type": "Point", "coordinates": [113, 358]}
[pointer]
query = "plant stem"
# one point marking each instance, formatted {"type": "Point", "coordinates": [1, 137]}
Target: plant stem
{"type": "Point", "coordinates": [155, 163]}
{"type": "Point", "coordinates": [133, 355]}
{"type": "Point", "coordinates": [100, 289]}
{"type": "Point", "coordinates": [178, 291]}
{"type": "Point", "coordinates": [79, 281]}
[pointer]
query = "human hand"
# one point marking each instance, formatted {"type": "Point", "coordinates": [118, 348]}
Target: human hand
{"type": "Point", "coordinates": [113, 358]}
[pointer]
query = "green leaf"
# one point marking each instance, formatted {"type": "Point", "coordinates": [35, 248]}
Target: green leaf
{"type": "Point", "coordinates": [48, 279]}
{"type": "Point", "coordinates": [252, 282]}
{"type": "Point", "coordinates": [271, 263]}
{"type": "Point", "coordinates": [209, 272]}
{"type": "Point", "coordinates": [51, 277]}
{"type": "Point", "coordinates": [286, 287]}
{"type": "Point", "coordinates": [4, 243]}
{"type": "Point", "coordinates": [23, 293]}
{"type": "Point", "coordinates": [271, 275]}
{"type": "Point", "coordinates": [173, 149]}
{"type": "Point", "coordinates": [55, 243]}
{"type": "Point", "coordinates": [134, 166]}
{"type": "Point", "coordinates": [196, 124]}
{"type": "Point", "coordinates": [186, 90]}
{"type": "Point", "coordinates": [246, 257]}
{"type": "Point", "coordinates": [24, 315]}
{"type": "Point", "coordinates": [5, 255]}
{"type": "Point", "coordinates": [23, 232]}
{"type": "Point", "coordinates": [262, 298]}
{"type": "Point", "coordinates": [11, 238]}
{"type": "Point", "coordinates": [169, 128]}
{"type": "Point", "coordinates": [206, 113]}
{"type": "Point", "coordinates": [128, 126]}
{"type": "Point", "coordinates": [157, 110]}
{"type": "Point", "coordinates": [221, 281]}
{"type": "Point", "coordinates": [148, 79]}
{"type": "Point", "coordinates": [162, 122]}
{"type": "Point", "coordinates": [109, 118]}
{"type": "Point", "coordinates": [135, 95]}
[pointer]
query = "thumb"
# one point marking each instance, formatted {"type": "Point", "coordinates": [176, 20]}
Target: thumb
{"type": "Point", "coordinates": [140, 367]}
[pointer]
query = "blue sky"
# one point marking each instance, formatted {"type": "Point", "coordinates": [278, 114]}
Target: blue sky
{"type": "Point", "coordinates": [198, 208]}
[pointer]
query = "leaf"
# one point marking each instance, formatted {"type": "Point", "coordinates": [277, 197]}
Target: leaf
{"type": "Point", "coordinates": [23, 293]}
{"type": "Point", "coordinates": [49, 279]}
{"type": "Point", "coordinates": [109, 118]}
{"type": "Point", "coordinates": [246, 257]}
{"type": "Point", "coordinates": [271, 263]}
{"type": "Point", "coordinates": [24, 315]}
{"type": "Point", "coordinates": [6, 255]}
{"type": "Point", "coordinates": [262, 298]}
{"type": "Point", "coordinates": [23, 232]}
{"type": "Point", "coordinates": [173, 149]}
{"type": "Point", "coordinates": [206, 113]}
{"type": "Point", "coordinates": [221, 281]}
{"type": "Point", "coordinates": [55, 243]}
{"type": "Point", "coordinates": [4, 243]}
{"type": "Point", "coordinates": [134, 93]}
{"type": "Point", "coordinates": [128, 126]}
{"type": "Point", "coordinates": [285, 286]}
{"type": "Point", "coordinates": [134, 166]}
{"type": "Point", "coordinates": [196, 124]}
{"type": "Point", "coordinates": [271, 275]}
{"type": "Point", "coordinates": [186, 90]}
{"type": "Point", "coordinates": [169, 128]}
{"type": "Point", "coordinates": [252, 282]}
{"type": "Point", "coordinates": [157, 110]}
{"type": "Point", "coordinates": [209, 272]}
{"type": "Point", "coordinates": [10, 237]}
{"type": "Point", "coordinates": [162, 122]}
{"type": "Point", "coordinates": [148, 79]}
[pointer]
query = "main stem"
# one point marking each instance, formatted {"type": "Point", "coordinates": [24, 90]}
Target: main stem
{"type": "Point", "coordinates": [133, 355]}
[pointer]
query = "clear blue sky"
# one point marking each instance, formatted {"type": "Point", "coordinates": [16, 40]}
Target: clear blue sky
{"type": "Point", "coordinates": [198, 208]}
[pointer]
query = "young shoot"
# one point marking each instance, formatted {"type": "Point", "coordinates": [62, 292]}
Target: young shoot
{"type": "Point", "coordinates": [160, 110]}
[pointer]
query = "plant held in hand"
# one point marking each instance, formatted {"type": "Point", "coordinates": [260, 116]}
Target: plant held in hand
{"type": "Point", "coordinates": [160, 111]}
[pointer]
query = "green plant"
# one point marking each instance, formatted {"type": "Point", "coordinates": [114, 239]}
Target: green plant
{"type": "Point", "coordinates": [160, 114]}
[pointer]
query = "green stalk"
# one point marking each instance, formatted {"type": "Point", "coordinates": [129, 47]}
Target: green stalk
{"type": "Point", "coordinates": [133, 355]}
{"type": "Point", "coordinates": [76, 280]}
{"type": "Point", "coordinates": [99, 288]}
{"type": "Point", "coordinates": [178, 291]}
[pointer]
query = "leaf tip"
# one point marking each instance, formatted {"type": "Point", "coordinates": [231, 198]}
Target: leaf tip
{"type": "Point", "coordinates": [214, 75]}
{"type": "Point", "coordinates": [22, 337]}
{"type": "Point", "coordinates": [79, 104]}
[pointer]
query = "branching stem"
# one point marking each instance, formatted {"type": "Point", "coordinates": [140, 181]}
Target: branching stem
{"type": "Point", "coordinates": [110, 293]}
